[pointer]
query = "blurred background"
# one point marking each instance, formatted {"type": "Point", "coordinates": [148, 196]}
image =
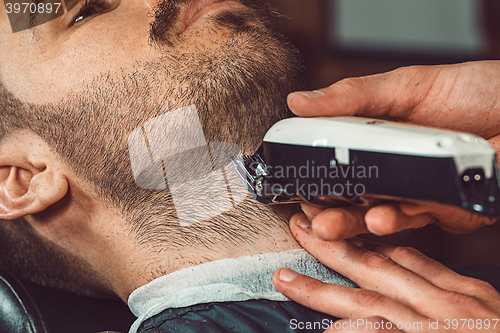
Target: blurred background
{"type": "Point", "coordinates": [345, 38]}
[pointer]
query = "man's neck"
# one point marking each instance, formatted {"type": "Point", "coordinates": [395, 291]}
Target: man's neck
{"type": "Point", "coordinates": [140, 266]}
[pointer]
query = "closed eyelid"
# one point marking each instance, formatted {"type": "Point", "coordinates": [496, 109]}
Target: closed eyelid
{"type": "Point", "coordinates": [101, 7]}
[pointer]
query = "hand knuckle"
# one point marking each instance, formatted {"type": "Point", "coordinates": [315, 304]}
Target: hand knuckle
{"type": "Point", "coordinates": [316, 286]}
{"type": "Point", "coordinates": [480, 287]}
{"type": "Point", "coordinates": [349, 84]}
{"type": "Point", "coordinates": [368, 298]}
{"type": "Point", "coordinates": [374, 260]}
{"type": "Point", "coordinates": [403, 252]}
{"type": "Point", "coordinates": [411, 71]}
{"type": "Point", "coordinates": [461, 301]}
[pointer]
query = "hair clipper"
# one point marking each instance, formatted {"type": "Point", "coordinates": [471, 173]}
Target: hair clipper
{"type": "Point", "coordinates": [335, 162]}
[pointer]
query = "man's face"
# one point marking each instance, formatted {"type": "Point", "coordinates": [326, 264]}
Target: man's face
{"type": "Point", "coordinates": [174, 53]}
{"type": "Point", "coordinates": [87, 80]}
{"type": "Point", "coordinates": [52, 61]}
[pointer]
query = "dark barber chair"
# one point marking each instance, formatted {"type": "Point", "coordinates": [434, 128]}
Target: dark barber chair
{"type": "Point", "coordinates": [27, 307]}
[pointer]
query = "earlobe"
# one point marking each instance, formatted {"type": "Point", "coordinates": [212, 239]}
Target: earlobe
{"type": "Point", "coordinates": [29, 181]}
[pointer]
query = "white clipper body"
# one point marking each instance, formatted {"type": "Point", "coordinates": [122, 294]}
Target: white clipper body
{"type": "Point", "coordinates": [353, 160]}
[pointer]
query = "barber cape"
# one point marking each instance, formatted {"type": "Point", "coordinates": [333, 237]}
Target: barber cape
{"type": "Point", "coordinates": [231, 295]}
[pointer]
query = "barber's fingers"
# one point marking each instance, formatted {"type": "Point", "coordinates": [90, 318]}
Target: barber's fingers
{"type": "Point", "coordinates": [370, 270]}
{"type": "Point", "coordinates": [387, 219]}
{"type": "Point", "coordinates": [343, 223]}
{"type": "Point", "coordinates": [393, 94]}
{"type": "Point", "coordinates": [336, 223]}
{"type": "Point", "coordinates": [439, 275]}
{"type": "Point", "coordinates": [341, 301]}
{"type": "Point", "coordinates": [450, 219]}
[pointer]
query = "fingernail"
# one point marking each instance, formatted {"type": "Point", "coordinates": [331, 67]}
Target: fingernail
{"type": "Point", "coordinates": [306, 211]}
{"type": "Point", "coordinates": [315, 94]}
{"type": "Point", "coordinates": [309, 216]}
{"type": "Point", "coordinates": [287, 275]}
{"type": "Point", "coordinates": [303, 222]}
{"type": "Point", "coordinates": [372, 231]}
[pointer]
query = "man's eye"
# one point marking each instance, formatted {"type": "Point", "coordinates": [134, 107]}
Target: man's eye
{"type": "Point", "coordinates": [89, 8]}
{"type": "Point", "coordinates": [86, 13]}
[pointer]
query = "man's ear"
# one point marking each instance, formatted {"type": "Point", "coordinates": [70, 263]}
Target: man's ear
{"type": "Point", "coordinates": [30, 178]}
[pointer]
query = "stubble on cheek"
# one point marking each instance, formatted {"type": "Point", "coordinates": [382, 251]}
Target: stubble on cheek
{"type": "Point", "coordinates": [167, 14]}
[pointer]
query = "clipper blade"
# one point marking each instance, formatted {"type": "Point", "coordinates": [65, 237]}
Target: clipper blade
{"type": "Point", "coordinates": [252, 170]}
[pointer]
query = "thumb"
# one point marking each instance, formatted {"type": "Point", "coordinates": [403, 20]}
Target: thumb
{"type": "Point", "coordinates": [392, 94]}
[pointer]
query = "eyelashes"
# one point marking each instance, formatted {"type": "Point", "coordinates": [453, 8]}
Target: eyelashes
{"type": "Point", "coordinates": [89, 9]}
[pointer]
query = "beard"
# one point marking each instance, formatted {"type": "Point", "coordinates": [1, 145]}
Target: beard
{"type": "Point", "coordinates": [238, 84]}
{"type": "Point", "coordinates": [26, 254]}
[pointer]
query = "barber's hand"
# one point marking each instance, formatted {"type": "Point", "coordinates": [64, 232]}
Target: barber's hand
{"type": "Point", "coordinates": [385, 219]}
{"type": "Point", "coordinates": [463, 97]}
{"type": "Point", "coordinates": [397, 285]}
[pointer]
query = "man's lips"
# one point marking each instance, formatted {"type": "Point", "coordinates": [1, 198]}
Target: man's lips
{"type": "Point", "coordinates": [201, 7]}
